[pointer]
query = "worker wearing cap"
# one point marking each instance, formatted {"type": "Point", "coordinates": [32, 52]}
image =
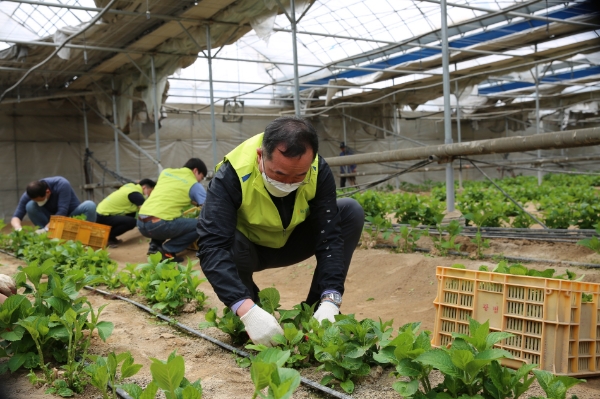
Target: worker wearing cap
{"type": "Point", "coordinates": [272, 203]}
{"type": "Point", "coordinates": [161, 216]}
{"type": "Point", "coordinates": [50, 196]}
{"type": "Point", "coordinates": [347, 168]}
{"type": "Point", "coordinates": [119, 209]}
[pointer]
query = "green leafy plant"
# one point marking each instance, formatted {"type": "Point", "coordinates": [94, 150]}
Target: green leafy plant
{"type": "Point", "coordinates": [342, 358]}
{"type": "Point", "coordinates": [555, 386]}
{"type": "Point", "coordinates": [58, 322]}
{"type": "Point", "coordinates": [104, 370]}
{"type": "Point", "coordinates": [229, 323]}
{"type": "Point", "coordinates": [292, 342]}
{"type": "Point", "coordinates": [444, 243]}
{"type": "Point", "coordinates": [479, 218]}
{"type": "Point", "coordinates": [593, 242]}
{"type": "Point", "coordinates": [267, 371]}
{"type": "Point", "coordinates": [165, 284]}
{"type": "Point", "coordinates": [465, 364]}
{"type": "Point", "coordinates": [169, 377]}
{"type": "Point", "coordinates": [408, 237]}
{"type": "Point", "coordinates": [401, 352]}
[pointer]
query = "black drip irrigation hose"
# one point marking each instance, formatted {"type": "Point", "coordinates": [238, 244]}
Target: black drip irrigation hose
{"type": "Point", "coordinates": [513, 258]}
{"type": "Point", "coordinates": [124, 395]}
{"type": "Point", "coordinates": [120, 393]}
{"type": "Point", "coordinates": [215, 341]}
{"type": "Point", "coordinates": [551, 235]}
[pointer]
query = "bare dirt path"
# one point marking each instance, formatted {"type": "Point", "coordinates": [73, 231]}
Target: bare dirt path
{"type": "Point", "coordinates": [380, 284]}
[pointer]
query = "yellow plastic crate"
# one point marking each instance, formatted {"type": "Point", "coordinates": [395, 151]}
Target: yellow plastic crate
{"type": "Point", "coordinates": [91, 234]}
{"type": "Point", "coordinates": [551, 327]}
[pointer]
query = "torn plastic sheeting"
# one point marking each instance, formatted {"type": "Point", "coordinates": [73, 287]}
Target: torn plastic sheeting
{"type": "Point", "coordinates": [263, 23]}
{"type": "Point", "coordinates": [593, 58]}
{"type": "Point", "coordinates": [62, 34]}
{"type": "Point", "coordinates": [352, 82]}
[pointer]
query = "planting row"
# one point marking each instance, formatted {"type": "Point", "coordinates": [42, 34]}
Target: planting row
{"type": "Point", "coordinates": [562, 200]}
{"type": "Point", "coordinates": [52, 325]}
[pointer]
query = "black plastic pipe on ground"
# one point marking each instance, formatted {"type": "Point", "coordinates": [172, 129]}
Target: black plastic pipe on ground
{"type": "Point", "coordinates": [513, 258]}
{"type": "Point", "coordinates": [239, 352]}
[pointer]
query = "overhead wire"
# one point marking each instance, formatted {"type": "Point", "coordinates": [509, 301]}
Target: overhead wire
{"type": "Point", "coordinates": [415, 166]}
{"type": "Point", "coordinates": [68, 39]}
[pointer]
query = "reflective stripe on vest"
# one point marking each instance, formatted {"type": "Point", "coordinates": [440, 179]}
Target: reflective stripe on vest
{"type": "Point", "coordinates": [171, 196]}
{"type": "Point", "coordinates": [258, 218]}
{"type": "Point", "coordinates": [118, 202]}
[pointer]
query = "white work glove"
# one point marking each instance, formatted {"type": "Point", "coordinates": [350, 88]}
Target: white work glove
{"type": "Point", "coordinates": [261, 326]}
{"type": "Point", "coordinates": [41, 231]}
{"type": "Point", "coordinates": [7, 285]}
{"type": "Point", "coordinates": [327, 310]}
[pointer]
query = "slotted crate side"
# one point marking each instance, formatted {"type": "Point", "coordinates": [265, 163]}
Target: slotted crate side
{"type": "Point", "coordinates": [92, 234]}
{"type": "Point", "coordinates": [551, 326]}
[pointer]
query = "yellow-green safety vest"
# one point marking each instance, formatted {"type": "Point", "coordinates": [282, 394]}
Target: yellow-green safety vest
{"type": "Point", "coordinates": [118, 202]}
{"type": "Point", "coordinates": [171, 196]}
{"type": "Point", "coordinates": [257, 217]}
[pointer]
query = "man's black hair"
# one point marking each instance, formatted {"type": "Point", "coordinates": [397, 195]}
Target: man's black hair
{"type": "Point", "coordinates": [196, 163]}
{"type": "Point", "coordinates": [147, 182]}
{"type": "Point", "coordinates": [296, 135]}
{"type": "Point", "coordinates": [37, 189]}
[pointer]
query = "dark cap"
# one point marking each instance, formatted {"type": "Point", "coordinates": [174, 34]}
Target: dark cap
{"type": "Point", "coordinates": [342, 145]}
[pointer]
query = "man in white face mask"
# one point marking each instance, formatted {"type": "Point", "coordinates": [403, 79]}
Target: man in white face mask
{"type": "Point", "coordinates": [50, 196]}
{"type": "Point", "coordinates": [272, 203]}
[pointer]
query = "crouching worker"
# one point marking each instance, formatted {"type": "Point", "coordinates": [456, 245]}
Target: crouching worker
{"type": "Point", "coordinates": [160, 217]}
{"type": "Point", "coordinates": [272, 203]}
{"type": "Point", "coordinates": [47, 197]}
{"type": "Point", "coordinates": [118, 210]}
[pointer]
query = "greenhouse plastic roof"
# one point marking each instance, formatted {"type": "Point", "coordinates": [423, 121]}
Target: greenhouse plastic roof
{"type": "Point", "coordinates": [348, 50]}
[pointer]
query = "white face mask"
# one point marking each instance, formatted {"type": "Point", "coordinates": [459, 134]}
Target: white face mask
{"type": "Point", "coordinates": [42, 203]}
{"type": "Point", "coordinates": [278, 189]}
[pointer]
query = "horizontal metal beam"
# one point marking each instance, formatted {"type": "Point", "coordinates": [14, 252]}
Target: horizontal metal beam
{"type": "Point", "coordinates": [144, 52]}
{"type": "Point", "coordinates": [127, 13]}
{"type": "Point", "coordinates": [544, 141]}
{"type": "Point", "coordinates": [327, 86]}
{"type": "Point", "coordinates": [52, 97]}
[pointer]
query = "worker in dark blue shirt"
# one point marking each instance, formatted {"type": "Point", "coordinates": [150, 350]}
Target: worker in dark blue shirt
{"type": "Point", "coordinates": [347, 168]}
{"type": "Point", "coordinates": [50, 196]}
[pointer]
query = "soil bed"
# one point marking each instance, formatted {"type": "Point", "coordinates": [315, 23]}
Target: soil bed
{"type": "Point", "coordinates": [380, 284]}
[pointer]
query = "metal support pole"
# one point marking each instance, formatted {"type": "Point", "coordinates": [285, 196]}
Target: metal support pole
{"type": "Point", "coordinates": [212, 99]}
{"type": "Point", "coordinates": [537, 114]}
{"type": "Point", "coordinates": [295, 52]}
{"type": "Point", "coordinates": [85, 127]}
{"type": "Point", "coordinates": [87, 169]}
{"type": "Point", "coordinates": [460, 170]}
{"type": "Point", "coordinates": [344, 124]}
{"type": "Point", "coordinates": [447, 108]}
{"type": "Point", "coordinates": [116, 123]}
{"type": "Point", "coordinates": [397, 131]}
{"type": "Point", "coordinates": [156, 113]}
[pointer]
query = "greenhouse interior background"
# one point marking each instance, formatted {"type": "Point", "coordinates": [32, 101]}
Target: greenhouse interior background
{"type": "Point", "coordinates": [102, 91]}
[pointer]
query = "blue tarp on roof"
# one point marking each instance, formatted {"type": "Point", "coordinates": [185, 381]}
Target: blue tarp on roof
{"type": "Point", "coordinates": [583, 8]}
{"type": "Point", "coordinates": [559, 77]}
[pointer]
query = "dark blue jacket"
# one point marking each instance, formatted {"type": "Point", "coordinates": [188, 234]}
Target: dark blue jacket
{"type": "Point", "coordinates": [347, 168]}
{"type": "Point", "coordinates": [62, 201]}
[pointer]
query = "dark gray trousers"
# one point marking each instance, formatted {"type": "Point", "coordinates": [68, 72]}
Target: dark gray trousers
{"type": "Point", "coordinates": [301, 245]}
